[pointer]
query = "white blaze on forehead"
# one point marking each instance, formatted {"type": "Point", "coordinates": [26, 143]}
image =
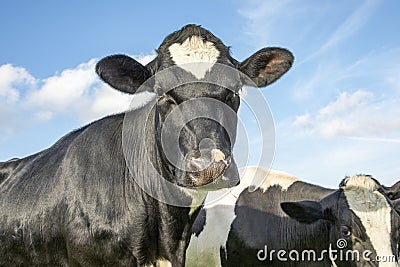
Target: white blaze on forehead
{"type": "Point", "coordinates": [373, 210]}
{"type": "Point", "coordinates": [194, 55]}
{"type": "Point", "coordinates": [360, 182]}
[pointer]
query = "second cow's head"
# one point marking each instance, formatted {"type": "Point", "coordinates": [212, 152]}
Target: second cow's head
{"type": "Point", "coordinates": [194, 66]}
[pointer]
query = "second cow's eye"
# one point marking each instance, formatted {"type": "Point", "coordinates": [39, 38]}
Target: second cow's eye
{"type": "Point", "coordinates": [345, 231]}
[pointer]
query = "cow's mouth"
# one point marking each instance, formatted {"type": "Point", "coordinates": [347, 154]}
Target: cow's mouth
{"type": "Point", "coordinates": [208, 175]}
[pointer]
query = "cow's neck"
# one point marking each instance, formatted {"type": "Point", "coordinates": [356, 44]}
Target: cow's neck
{"type": "Point", "coordinates": [172, 223]}
{"type": "Point", "coordinates": [306, 236]}
{"type": "Point", "coordinates": [310, 236]}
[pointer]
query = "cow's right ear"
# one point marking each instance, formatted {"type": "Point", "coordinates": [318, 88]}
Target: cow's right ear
{"type": "Point", "coordinates": [266, 65]}
{"type": "Point", "coordinates": [122, 73]}
{"type": "Point", "coordinates": [303, 211]}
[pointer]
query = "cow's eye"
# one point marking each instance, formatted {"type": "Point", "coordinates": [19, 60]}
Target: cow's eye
{"type": "Point", "coordinates": [233, 100]}
{"type": "Point", "coordinates": [231, 97]}
{"type": "Point", "coordinates": [345, 231]}
{"type": "Point", "coordinates": [166, 99]}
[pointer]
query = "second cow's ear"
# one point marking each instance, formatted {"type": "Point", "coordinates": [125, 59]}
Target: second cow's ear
{"type": "Point", "coordinates": [267, 65]}
{"type": "Point", "coordinates": [392, 192]}
{"type": "Point", "coordinates": [303, 211]}
{"type": "Point", "coordinates": [122, 73]}
{"type": "Point", "coordinates": [396, 205]}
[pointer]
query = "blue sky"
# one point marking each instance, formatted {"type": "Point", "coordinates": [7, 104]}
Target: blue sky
{"type": "Point", "coordinates": [336, 111]}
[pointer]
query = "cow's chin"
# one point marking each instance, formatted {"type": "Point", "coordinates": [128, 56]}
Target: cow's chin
{"type": "Point", "coordinates": [210, 179]}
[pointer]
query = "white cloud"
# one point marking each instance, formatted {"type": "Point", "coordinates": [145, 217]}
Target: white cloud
{"type": "Point", "coordinates": [303, 121]}
{"type": "Point", "coordinates": [346, 102]}
{"type": "Point", "coordinates": [103, 101]}
{"type": "Point", "coordinates": [43, 115]}
{"type": "Point", "coordinates": [60, 92]}
{"type": "Point", "coordinates": [10, 78]}
{"type": "Point", "coordinates": [144, 59]}
{"type": "Point", "coordinates": [76, 92]}
{"type": "Point", "coordinates": [327, 161]}
{"type": "Point", "coordinates": [372, 139]}
{"type": "Point", "coordinates": [307, 152]}
{"type": "Point", "coordinates": [354, 114]}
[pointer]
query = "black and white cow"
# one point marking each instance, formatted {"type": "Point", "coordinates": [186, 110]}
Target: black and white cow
{"type": "Point", "coordinates": [79, 203]}
{"type": "Point", "coordinates": [251, 228]}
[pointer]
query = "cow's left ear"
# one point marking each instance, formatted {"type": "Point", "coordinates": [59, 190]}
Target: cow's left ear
{"type": "Point", "coordinates": [392, 192]}
{"type": "Point", "coordinates": [396, 205]}
{"type": "Point", "coordinates": [267, 65]}
{"type": "Point", "coordinates": [303, 211]}
{"type": "Point", "coordinates": [122, 73]}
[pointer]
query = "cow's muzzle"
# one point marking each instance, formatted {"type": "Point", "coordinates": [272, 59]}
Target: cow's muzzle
{"type": "Point", "coordinates": [208, 167]}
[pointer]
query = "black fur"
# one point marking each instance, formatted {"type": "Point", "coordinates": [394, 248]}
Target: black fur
{"type": "Point", "coordinates": [304, 211]}
{"type": "Point", "coordinates": [393, 192]}
{"type": "Point", "coordinates": [200, 222]}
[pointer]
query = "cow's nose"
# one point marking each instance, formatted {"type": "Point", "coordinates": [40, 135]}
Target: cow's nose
{"type": "Point", "coordinates": [206, 169]}
{"type": "Point", "coordinates": [210, 159]}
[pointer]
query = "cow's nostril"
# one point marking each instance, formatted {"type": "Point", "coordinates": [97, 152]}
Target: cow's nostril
{"type": "Point", "coordinates": [204, 174]}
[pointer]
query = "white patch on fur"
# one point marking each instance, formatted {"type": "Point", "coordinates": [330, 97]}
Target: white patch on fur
{"type": "Point", "coordinates": [217, 155]}
{"type": "Point", "coordinates": [192, 51]}
{"type": "Point", "coordinates": [197, 198]}
{"type": "Point", "coordinates": [360, 181]}
{"type": "Point", "coordinates": [373, 210]}
{"type": "Point", "coordinates": [264, 179]}
{"type": "Point", "coordinates": [204, 250]}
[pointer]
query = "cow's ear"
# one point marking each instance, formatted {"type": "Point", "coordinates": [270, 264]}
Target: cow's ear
{"type": "Point", "coordinates": [267, 65]}
{"type": "Point", "coordinates": [392, 192]}
{"type": "Point", "coordinates": [303, 211]}
{"type": "Point", "coordinates": [122, 73]}
{"type": "Point", "coordinates": [396, 205]}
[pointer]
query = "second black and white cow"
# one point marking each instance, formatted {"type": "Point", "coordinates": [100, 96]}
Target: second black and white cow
{"type": "Point", "coordinates": [95, 198]}
{"type": "Point", "coordinates": [355, 225]}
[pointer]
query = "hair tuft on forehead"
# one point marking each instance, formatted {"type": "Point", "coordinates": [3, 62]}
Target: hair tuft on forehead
{"type": "Point", "coordinates": [360, 182]}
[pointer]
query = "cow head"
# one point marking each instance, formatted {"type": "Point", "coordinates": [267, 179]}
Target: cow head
{"type": "Point", "coordinates": [361, 219]}
{"type": "Point", "coordinates": [186, 62]}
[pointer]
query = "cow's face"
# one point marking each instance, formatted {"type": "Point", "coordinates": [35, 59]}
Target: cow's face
{"type": "Point", "coordinates": [197, 84]}
{"type": "Point", "coordinates": [363, 223]}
